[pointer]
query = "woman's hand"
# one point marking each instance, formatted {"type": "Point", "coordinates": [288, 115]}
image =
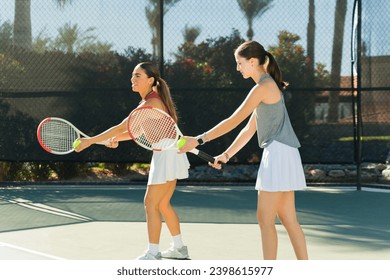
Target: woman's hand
{"type": "Point", "coordinates": [84, 143]}
{"type": "Point", "coordinates": [113, 143]}
{"type": "Point", "coordinates": [218, 159]}
{"type": "Point", "coordinates": [191, 143]}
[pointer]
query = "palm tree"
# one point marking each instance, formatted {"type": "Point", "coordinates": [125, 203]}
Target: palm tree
{"type": "Point", "coordinates": [62, 3]}
{"type": "Point", "coordinates": [338, 37]}
{"type": "Point", "coordinates": [191, 33]}
{"type": "Point", "coordinates": [310, 41]}
{"type": "Point", "coordinates": [5, 36]}
{"type": "Point", "coordinates": [22, 36]}
{"type": "Point", "coordinates": [42, 42]}
{"type": "Point", "coordinates": [72, 39]}
{"type": "Point", "coordinates": [152, 12]}
{"type": "Point", "coordinates": [253, 9]}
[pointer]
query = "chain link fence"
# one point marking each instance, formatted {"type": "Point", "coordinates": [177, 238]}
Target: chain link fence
{"type": "Point", "coordinates": [73, 59]}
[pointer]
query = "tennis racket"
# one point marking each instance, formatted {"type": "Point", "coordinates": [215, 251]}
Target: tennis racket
{"type": "Point", "coordinates": [56, 136]}
{"type": "Point", "coordinates": [155, 130]}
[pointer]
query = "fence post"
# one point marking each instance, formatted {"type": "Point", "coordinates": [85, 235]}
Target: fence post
{"type": "Point", "coordinates": [358, 98]}
{"type": "Point", "coordinates": [161, 58]}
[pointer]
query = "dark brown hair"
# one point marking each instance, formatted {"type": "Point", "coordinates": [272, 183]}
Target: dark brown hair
{"type": "Point", "coordinates": [253, 49]}
{"type": "Point", "coordinates": [162, 87]}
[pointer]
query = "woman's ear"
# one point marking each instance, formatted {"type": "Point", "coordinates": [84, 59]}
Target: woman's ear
{"type": "Point", "coordinates": [254, 61]}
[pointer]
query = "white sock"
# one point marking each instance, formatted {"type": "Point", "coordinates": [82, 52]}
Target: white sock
{"type": "Point", "coordinates": [153, 248]}
{"type": "Point", "coordinates": [177, 241]}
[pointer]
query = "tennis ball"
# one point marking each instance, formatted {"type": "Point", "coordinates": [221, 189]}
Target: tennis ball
{"type": "Point", "coordinates": [76, 143]}
{"type": "Point", "coordinates": [181, 142]}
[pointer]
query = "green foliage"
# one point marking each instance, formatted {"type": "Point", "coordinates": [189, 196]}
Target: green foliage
{"type": "Point", "coordinates": [42, 43]}
{"type": "Point", "coordinates": [321, 75]}
{"type": "Point", "coordinates": [103, 70]}
{"type": "Point", "coordinates": [39, 171]}
{"type": "Point", "coordinates": [137, 55]}
{"type": "Point", "coordinates": [5, 36]}
{"type": "Point", "coordinates": [67, 170]}
{"type": "Point", "coordinates": [23, 171]}
{"type": "Point", "coordinates": [290, 57]}
{"type": "Point", "coordinates": [293, 61]}
{"type": "Point", "coordinates": [10, 68]}
{"type": "Point", "coordinates": [207, 64]}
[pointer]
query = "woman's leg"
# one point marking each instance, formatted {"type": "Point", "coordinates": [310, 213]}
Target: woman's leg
{"type": "Point", "coordinates": [287, 216]}
{"type": "Point", "coordinates": [171, 218]}
{"type": "Point", "coordinates": [153, 197]}
{"type": "Point", "coordinates": [267, 203]}
{"type": "Point", "coordinates": [178, 250]}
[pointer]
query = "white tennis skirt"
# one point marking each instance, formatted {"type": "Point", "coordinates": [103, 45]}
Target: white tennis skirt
{"type": "Point", "coordinates": [280, 169]}
{"type": "Point", "coordinates": [168, 166]}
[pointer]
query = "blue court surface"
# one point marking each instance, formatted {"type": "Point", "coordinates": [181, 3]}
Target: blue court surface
{"type": "Point", "coordinates": [107, 222]}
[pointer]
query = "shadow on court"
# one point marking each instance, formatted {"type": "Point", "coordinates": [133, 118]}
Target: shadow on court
{"type": "Point", "coordinates": [339, 223]}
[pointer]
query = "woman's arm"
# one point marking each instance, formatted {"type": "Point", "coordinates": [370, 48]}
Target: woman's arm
{"type": "Point", "coordinates": [109, 133]}
{"type": "Point", "coordinates": [114, 142]}
{"type": "Point", "coordinates": [125, 136]}
{"type": "Point", "coordinates": [253, 99]}
{"type": "Point", "coordinates": [243, 137]}
{"type": "Point", "coordinates": [241, 140]}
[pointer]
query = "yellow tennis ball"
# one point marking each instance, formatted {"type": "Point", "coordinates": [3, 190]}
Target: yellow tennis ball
{"type": "Point", "coordinates": [76, 143]}
{"type": "Point", "coordinates": [181, 142]}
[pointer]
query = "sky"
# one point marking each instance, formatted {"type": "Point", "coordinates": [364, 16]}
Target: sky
{"type": "Point", "coordinates": [123, 22]}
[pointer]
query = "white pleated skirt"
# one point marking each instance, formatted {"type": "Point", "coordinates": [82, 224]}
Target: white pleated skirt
{"type": "Point", "coordinates": [280, 169]}
{"type": "Point", "coordinates": [168, 166]}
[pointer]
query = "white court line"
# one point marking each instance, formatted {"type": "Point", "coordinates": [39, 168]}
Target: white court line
{"type": "Point", "coordinates": [373, 189]}
{"type": "Point", "coordinates": [47, 209]}
{"type": "Point", "coordinates": [30, 251]}
{"type": "Point", "coordinates": [347, 189]}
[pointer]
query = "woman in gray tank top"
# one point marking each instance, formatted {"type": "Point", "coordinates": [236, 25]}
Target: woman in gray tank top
{"type": "Point", "coordinates": [280, 172]}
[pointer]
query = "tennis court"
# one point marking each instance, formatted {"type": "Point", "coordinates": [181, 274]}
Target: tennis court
{"type": "Point", "coordinates": [107, 222]}
{"type": "Point", "coordinates": [337, 101]}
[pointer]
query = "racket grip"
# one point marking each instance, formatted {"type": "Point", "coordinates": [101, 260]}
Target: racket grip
{"type": "Point", "coordinates": [208, 158]}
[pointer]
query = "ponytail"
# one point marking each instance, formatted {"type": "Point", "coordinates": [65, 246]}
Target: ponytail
{"type": "Point", "coordinates": [274, 70]}
{"type": "Point", "coordinates": [166, 97]}
{"type": "Point", "coordinates": [162, 88]}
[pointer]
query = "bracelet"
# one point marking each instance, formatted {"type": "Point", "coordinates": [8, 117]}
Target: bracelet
{"type": "Point", "coordinates": [226, 156]}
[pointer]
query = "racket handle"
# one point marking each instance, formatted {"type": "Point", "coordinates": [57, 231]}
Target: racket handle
{"type": "Point", "coordinates": [206, 157]}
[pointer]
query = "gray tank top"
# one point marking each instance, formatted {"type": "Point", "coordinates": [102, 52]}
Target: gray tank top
{"type": "Point", "coordinates": [273, 123]}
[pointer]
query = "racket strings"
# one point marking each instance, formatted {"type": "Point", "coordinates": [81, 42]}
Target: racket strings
{"type": "Point", "coordinates": [152, 129]}
{"type": "Point", "coordinates": [58, 136]}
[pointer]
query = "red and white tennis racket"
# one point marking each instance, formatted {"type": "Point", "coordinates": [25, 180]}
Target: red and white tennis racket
{"type": "Point", "coordinates": [155, 130]}
{"type": "Point", "coordinates": [57, 136]}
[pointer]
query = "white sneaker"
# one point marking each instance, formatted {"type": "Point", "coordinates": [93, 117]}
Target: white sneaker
{"type": "Point", "coordinates": [173, 253]}
{"type": "Point", "coordinates": [150, 257]}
